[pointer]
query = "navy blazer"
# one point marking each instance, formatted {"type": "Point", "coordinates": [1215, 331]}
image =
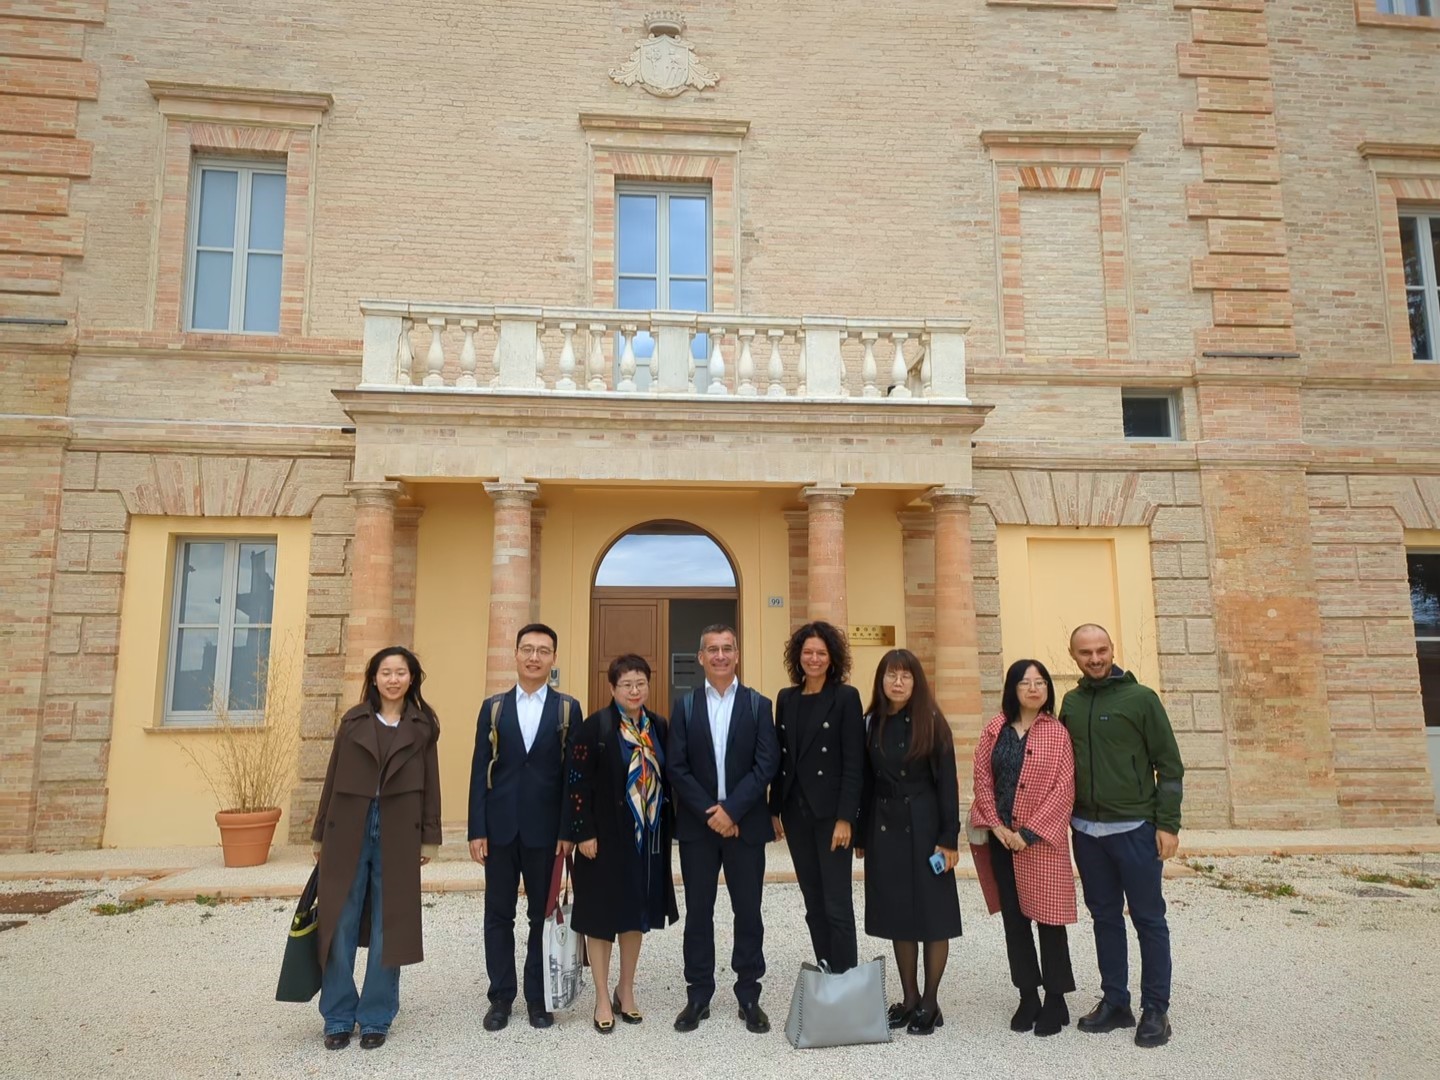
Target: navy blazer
{"type": "Point", "coordinates": [528, 790]}
{"type": "Point", "coordinates": [752, 758]}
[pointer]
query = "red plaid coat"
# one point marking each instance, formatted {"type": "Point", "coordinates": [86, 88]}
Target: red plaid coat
{"type": "Point", "coordinates": [1043, 801]}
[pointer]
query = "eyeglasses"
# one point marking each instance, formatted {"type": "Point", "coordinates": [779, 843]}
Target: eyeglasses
{"type": "Point", "coordinates": [719, 650]}
{"type": "Point", "coordinates": [1032, 684]}
{"type": "Point", "coordinates": [633, 687]}
{"type": "Point", "coordinates": [899, 675]}
{"type": "Point", "coordinates": [543, 652]}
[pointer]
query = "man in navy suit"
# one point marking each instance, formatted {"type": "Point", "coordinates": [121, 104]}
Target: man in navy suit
{"type": "Point", "coordinates": [723, 755]}
{"type": "Point", "coordinates": [517, 785]}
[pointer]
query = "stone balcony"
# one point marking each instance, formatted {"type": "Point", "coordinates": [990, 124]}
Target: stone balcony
{"type": "Point", "coordinates": [473, 391]}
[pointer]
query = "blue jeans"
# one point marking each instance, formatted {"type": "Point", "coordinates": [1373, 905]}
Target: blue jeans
{"type": "Point", "coordinates": [377, 1003]}
{"type": "Point", "coordinates": [1113, 870]}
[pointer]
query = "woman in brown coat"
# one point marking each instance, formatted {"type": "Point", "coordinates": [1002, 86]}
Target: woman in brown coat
{"type": "Point", "coordinates": [378, 823]}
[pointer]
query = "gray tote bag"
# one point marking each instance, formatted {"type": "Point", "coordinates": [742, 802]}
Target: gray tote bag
{"type": "Point", "coordinates": [838, 1010]}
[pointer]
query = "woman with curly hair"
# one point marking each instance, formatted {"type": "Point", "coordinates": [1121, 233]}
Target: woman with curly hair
{"type": "Point", "coordinates": [815, 799]}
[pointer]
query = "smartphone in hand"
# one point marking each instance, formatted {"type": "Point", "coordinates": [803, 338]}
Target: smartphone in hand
{"type": "Point", "coordinates": [937, 863]}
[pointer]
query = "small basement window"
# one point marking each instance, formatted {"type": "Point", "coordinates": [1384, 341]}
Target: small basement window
{"type": "Point", "coordinates": [1149, 415]}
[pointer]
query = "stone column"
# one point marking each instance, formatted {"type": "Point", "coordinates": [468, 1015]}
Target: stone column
{"type": "Point", "coordinates": [372, 575]}
{"type": "Point", "coordinates": [510, 583]}
{"type": "Point", "coordinates": [407, 555]}
{"type": "Point", "coordinates": [797, 526]}
{"type": "Point", "coordinates": [917, 548]}
{"type": "Point", "coordinates": [957, 640]}
{"type": "Point", "coordinates": [825, 585]}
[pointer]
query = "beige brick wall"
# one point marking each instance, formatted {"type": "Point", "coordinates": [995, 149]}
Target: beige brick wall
{"type": "Point", "coordinates": [1062, 274]}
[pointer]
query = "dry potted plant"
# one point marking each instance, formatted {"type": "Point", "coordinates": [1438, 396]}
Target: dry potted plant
{"type": "Point", "coordinates": [250, 763]}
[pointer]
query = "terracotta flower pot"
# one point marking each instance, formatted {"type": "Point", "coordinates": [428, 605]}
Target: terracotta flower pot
{"type": "Point", "coordinates": [245, 838]}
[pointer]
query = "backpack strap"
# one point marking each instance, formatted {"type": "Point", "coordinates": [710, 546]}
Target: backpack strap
{"type": "Point", "coordinates": [564, 725]}
{"type": "Point", "coordinates": [495, 703]}
{"type": "Point", "coordinates": [754, 701]}
{"type": "Point", "coordinates": [689, 706]}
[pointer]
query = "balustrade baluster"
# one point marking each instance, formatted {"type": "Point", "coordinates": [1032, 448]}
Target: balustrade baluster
{"type": "Point", "coordinates": [775, 371]}
{"type": "Point", "coordinates": [899, 373]}
{"type": "Point", "coordinates": [435, 357]}
{"type": "Point", "coordinates": [597, 357]}
{"type": "Point", "coordinates": [404, 355]}
{"type": "Point", "coordinates": [801, 389]}
{"type": "Point", "coordinates": [868, 373]}
{"type": "Point", "coordinates": [745, 370]}
{"type": "Point", "coordinates": [627, 359]}
{"type": "Point", "coordinates": [567, 358]}
{"type": "Point", "coordinates": [717, 363]}
{"type": "Point", "coordinates": [539, 357]}
{"type": "Point", "coordinates": [925, 372]}
{"type": "Point", "coordinates": [466, 378]}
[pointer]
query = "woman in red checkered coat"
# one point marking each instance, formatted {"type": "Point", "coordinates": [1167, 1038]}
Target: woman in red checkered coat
{"type": "Point", "coordinates": [1024, 792]}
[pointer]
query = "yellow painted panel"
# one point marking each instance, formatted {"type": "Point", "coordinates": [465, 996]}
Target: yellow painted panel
{"type": "Point", "coordinates": [874, 577]}
{"type": "Point", "coordinates": [156, 795]}
{"type": "Point", "coordinates": [1052, 579]}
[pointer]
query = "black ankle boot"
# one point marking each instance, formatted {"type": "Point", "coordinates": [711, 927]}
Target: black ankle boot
{"type": "Point", "coordinates": [1024, 1018]}
{"type": "Point", "coordinates": [1054, 1015]}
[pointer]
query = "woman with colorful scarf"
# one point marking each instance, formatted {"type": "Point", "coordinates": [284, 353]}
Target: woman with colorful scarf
{"type": "Point", "coordinates": [617, 813]}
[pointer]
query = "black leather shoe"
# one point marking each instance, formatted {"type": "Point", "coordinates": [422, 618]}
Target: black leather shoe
{"type": "Point", "coordinates": [1154, 1029]}
{"type": "Point", "coordinates": [690, 1016]}
{"type": "Point", "coordinates": [755, 1018]}
{"type": "Point", "coordinates": [604, 1027]}
{"type": "Point", "coordinates": [900, 1015]}
{"type": "Point", "coordinates": [497, 1016]}
{"type": "Point", "coordinates": [338, 1041]}
{"type": "Point", "coordinates": [634, 1016]}
{"type": "Point", "coordinates": [1106, 1017]}
{"type": "Point", "coordinates": [1053, 1016]}
{"type": "Point", "coordinates": [924, 1022]}
{"type": "Point", "coordinates": [371, 1040]}
{"type": "Point", "coordinates": [1024, 1018]}
{"type": "Point", "coordinates": [539, 1018]}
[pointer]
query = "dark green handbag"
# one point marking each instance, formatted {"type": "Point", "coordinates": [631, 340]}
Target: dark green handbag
{"type": "Point", "coordinates": [300, 971]}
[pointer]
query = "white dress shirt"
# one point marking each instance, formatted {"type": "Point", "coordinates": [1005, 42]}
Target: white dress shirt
{"type": "Point", "coordinates": [529, 707]}
{"type": "Point", "coordinates": [719, 707]}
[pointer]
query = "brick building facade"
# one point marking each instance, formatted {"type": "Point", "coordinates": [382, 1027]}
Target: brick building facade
{"type": "Point", "coordinates": [411, 381]}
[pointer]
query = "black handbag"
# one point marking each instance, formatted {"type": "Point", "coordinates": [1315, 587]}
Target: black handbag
{"type": "Point", "coordinates": [300, 971]}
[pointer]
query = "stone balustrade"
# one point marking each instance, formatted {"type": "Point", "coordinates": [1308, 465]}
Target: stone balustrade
{"type": "Point", "coordinates": [484, 348]}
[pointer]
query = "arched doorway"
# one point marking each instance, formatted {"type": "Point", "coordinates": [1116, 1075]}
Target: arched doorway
{"type": "Point", "coordinates": [655, 587]}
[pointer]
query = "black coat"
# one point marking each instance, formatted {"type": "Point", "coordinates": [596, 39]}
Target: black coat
{"type": "Point", "coordinates": [911, 807]}
{"type": "Point", "coordinates": [523, 800]}
{"type": "Point", "coordinates": [752, 757]}
{"type": "Point", "coordinates": [826, 762]}
{"type": "Point", "coordinates": [596, 809]}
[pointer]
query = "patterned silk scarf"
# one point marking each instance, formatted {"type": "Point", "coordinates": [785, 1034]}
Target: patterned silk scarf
{"type": "Point", "coordinates": [642, 781]}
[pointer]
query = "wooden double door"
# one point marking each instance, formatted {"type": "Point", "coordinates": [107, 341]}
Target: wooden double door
{"type": "Point", "coordinates": [661, 624]}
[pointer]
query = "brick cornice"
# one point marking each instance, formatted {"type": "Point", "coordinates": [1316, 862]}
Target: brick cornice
{"type": "Point", "coordinates": [1031, 145]}
{"type": "Point", "coordinates": [1408, 151]}
{"type": "Point", "coordinates": [596, 122]}
{"type": "Point", "coordinates": [240, 104]}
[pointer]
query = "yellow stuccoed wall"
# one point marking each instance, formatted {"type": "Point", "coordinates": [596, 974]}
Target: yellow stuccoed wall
{"type": "Point", "coordinates": [156, 794]}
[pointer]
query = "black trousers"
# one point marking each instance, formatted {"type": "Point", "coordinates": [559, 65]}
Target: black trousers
{"type": "Point", "coordinates": [1052, 969]}
{"type": "Point", "coordinates": [825, 883]}
{"type": "Point", "coordinates": [744, 864]}
{"type": "Point", "coordinates": [505, 867]}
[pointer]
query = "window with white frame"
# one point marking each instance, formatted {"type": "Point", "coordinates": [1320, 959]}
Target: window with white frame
{"type": "Point", "coordinates": [1422, 8]}
{"type": "Point", "coordinates": [1149, 414]}
{"type": "Point", "coordinates": [220, 623]}
{"type": "Point", "coordinates": [237, 232]}
{"type": "Point", "coordinates": [1424, 569]}
{"type": "Point", "coordinates": [662, 247]}
{"type": "Point", "coordinates": [1420, 250]}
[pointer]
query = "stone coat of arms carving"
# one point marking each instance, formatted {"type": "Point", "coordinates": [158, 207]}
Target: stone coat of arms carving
{"type": "Point", "coordinates": [663, 64]}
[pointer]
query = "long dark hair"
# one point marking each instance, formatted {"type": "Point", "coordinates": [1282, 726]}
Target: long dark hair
{"type": "Point", "coordinates": [928, 726]}
{"type": "Point", "coordinates": [370, 695]}
{"type": "Point", "coordinates": [835, 645]}
{"type": "Point", "coordinates": [1010, 696]}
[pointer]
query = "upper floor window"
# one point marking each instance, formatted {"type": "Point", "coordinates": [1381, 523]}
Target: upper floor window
{"type": "Point", "coordinates": [1149, 415]}
{"type": "Point", "coordinates": [1423, 8]}
{"type": "Point", "coordinates": [220, 624]}
{"type": "Point", "coordinates": [237, 231]}
{"type": "Point", "coordinates": [1420, 248]}
{"type": "Point", "coordinates": [662, 245]}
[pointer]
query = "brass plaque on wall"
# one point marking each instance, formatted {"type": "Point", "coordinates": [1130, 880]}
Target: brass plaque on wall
{"type": "Point", "coordinates": [870, 634]}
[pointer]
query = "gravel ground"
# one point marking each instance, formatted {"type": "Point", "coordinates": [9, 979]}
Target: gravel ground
{"type": "Point", "coordinates": [1319, 983]}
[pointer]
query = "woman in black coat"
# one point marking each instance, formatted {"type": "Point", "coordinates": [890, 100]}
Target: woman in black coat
{"type": "Point", "coordinates": [815, 799]}
{"type": "Point", "coordinates": [618, 815]}
{"type": "Point", "coordinates": [911, 827]}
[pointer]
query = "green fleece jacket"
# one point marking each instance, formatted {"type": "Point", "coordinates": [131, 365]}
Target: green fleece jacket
{"type": "Point", "coordinates": [1127, 764]}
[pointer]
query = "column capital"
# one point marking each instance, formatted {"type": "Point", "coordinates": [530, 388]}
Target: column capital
{"type": "Point", "coordinates": [916, 521]}
{"type": "Point", "coordinates": [380, 493]}
{"type": "Point", "coordinates": [826, 493]}
{"type": "Point", "coordinates": [947, 497]}
{"type": "Point", "coordinates": [408, 516]}
{"type": "Point", "coordinates": [512, 491]}
{"type": "Point", "coordinates": [795, 519]}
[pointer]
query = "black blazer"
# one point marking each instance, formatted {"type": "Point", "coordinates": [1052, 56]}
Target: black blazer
{"type": "Point", "coordinates": [752, 756]}
{"type": "Point", "coordinates": [827, 762]}
{"type": "Point", "coordinates": [528, 789]}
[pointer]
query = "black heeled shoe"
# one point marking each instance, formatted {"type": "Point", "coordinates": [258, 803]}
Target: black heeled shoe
{"type": "Point", "coordinates": [1026, 1015]}
{"type": "Point", "coordinates": [900, 1015]}
{"type": "Point", "coordinates": [604, 1027]}
{"type": "Point", "coordinates": [1054, 1015]}
{"type": "Point", "coordinates": [634, 1016]}
{"type": "Point", "coordinates": [925, 1022]}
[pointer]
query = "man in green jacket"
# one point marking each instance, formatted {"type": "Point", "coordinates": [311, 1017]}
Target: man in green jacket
{"type": "Point", "coordinates": [1126, 823]}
